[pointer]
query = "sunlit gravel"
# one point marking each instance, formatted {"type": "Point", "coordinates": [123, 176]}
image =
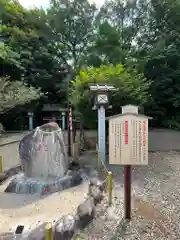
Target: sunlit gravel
{"type": "Point", "coordinates": [155, 203]}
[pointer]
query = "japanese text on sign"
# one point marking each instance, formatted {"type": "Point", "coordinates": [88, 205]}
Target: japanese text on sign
{"type": "Point", "coordinates": [144, 133]}
{"type": "Point", "coordinates": [128, 143]}
{"type": "Point", "coordinates": [126, 132]}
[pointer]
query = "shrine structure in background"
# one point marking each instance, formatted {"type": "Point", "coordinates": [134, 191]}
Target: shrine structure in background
{"type": "Point", "coordinates": [55, 113]}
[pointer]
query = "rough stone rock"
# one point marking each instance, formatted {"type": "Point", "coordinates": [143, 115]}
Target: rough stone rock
{"type": "Point", "coordinates": [96, 193]}
{"type": "Point", "coordinates": [101, 184]}
{"type": "Point", "coordinates": [74, 165]}
{"type": "Point", "coordinates": [65, 228]}
{"type": "Point", "coordinates": [12, 171]}
{"type": "Point", "coordinates": [37, 234]}
{"type": "Point", "coordinates": [39, 147]}
{"type": "Point", "coordinates": [10, 187]}
{"type": "Point", "coordinates": [76, 179]}
{"type": "Point", "coordinates": [2, 177]}
{"type": "Point", "coordinates": [31, 186]}
{"type": "Point", "coordinates": [9, 173]}
{"type": "Point", "coordinates": [44, 163]}
{"type": "Point", "coordinates": [85, 212]}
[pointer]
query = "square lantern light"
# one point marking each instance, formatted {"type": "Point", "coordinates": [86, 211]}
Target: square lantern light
{"type": "Point", "coordinates": [30, 114]}
{"type": "Point", "coordinates": [101, 93]}
{"type": "Point", "coordinates": [102, 99]}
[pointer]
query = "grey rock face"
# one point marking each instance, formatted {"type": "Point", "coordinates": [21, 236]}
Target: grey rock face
{"type": "Point", "coordinates": [37, 233]}
{"type": "Point", "coordinates": [2, 177]}
{"type": "Point", "coordinates": [96, 193]}
{"type": "Point", "coordinates": [85, 212]}
{"type": "Point", "coordinates": [65, 228]}
{"type": "Point", "coordinates": [43, 152]}
{"type": "Point", "coordinates": [44, 163]}
{"type": "Point", "coordinates": [96, 182]}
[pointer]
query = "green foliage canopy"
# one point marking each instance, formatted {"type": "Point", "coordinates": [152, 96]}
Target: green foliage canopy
{"type": "Point", "coordinates": [15, 93]}
{"type": "Point", "coordinates": [133, 87]}
{"type": "Point", "coordinates": [47, 49]}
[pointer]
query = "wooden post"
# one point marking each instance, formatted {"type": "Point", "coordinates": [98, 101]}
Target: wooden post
{"type": "Point", "coordinates": [99, 159]}
{"type": "Point", "coordinates": [74, 151]}
{"type": "Point", "coordinates": [48, 232]}
{"type": "Point", "coordinates": [109, 188]}
{"type": "Point", "coordinates": [1, 164]}
{"type": "Point", "coordinates": [127, 192]}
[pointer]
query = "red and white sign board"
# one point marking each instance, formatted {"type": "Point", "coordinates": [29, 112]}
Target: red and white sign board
{"type": "Point", "coordinates": [128, 139]}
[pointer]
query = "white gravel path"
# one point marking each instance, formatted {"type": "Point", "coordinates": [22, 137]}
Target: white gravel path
{"type": "Point", "coordinates": [31, 211]}
{"type": "Point", "coordinates": [155, 203]}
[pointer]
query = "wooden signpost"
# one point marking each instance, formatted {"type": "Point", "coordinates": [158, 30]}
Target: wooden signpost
{"type": "Point", "coordinates": [128, 145]}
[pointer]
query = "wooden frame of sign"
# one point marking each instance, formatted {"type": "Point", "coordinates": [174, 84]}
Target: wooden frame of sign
{"type": "Point", "coordinates": [128, 137]}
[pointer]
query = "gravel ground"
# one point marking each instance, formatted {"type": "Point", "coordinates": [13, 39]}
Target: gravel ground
{"type": "Point", "coordinates": [31, 211]}
{"type": "Point", "coordinates": [155, 202]}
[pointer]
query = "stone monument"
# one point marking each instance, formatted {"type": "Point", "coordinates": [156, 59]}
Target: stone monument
{"type": "Point", "coordinates": [43, 152]}
{"type": "Point", "coordinates": [44, 163]}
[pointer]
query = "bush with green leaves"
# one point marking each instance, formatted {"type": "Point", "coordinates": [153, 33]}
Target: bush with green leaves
{"type": "Point", "coordinates": [15, 93]}
{"type": "Point", "coordinates": [133, 88]}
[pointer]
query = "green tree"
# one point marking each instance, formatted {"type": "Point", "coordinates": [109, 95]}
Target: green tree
{"type": "Point", "coordinates": [159, 58]}
{"type": "Point", "coordinates": [105, 48]}
{"type": "Point", "coordinates": [120, 22]}
{"type": "Point", "coordinates": [72, 27]}
{"type": "Point", "coordinates": [15, 93]}
{"type": "Point", "coordinates": [118, 25]}
{"type": "Point", "coordinates": [35, 58]}
{"type": "Point", "coordinates": [133, 88]}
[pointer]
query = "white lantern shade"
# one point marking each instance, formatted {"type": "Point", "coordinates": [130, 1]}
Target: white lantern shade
{"type": "Point", "coordinates": [102, 99]}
